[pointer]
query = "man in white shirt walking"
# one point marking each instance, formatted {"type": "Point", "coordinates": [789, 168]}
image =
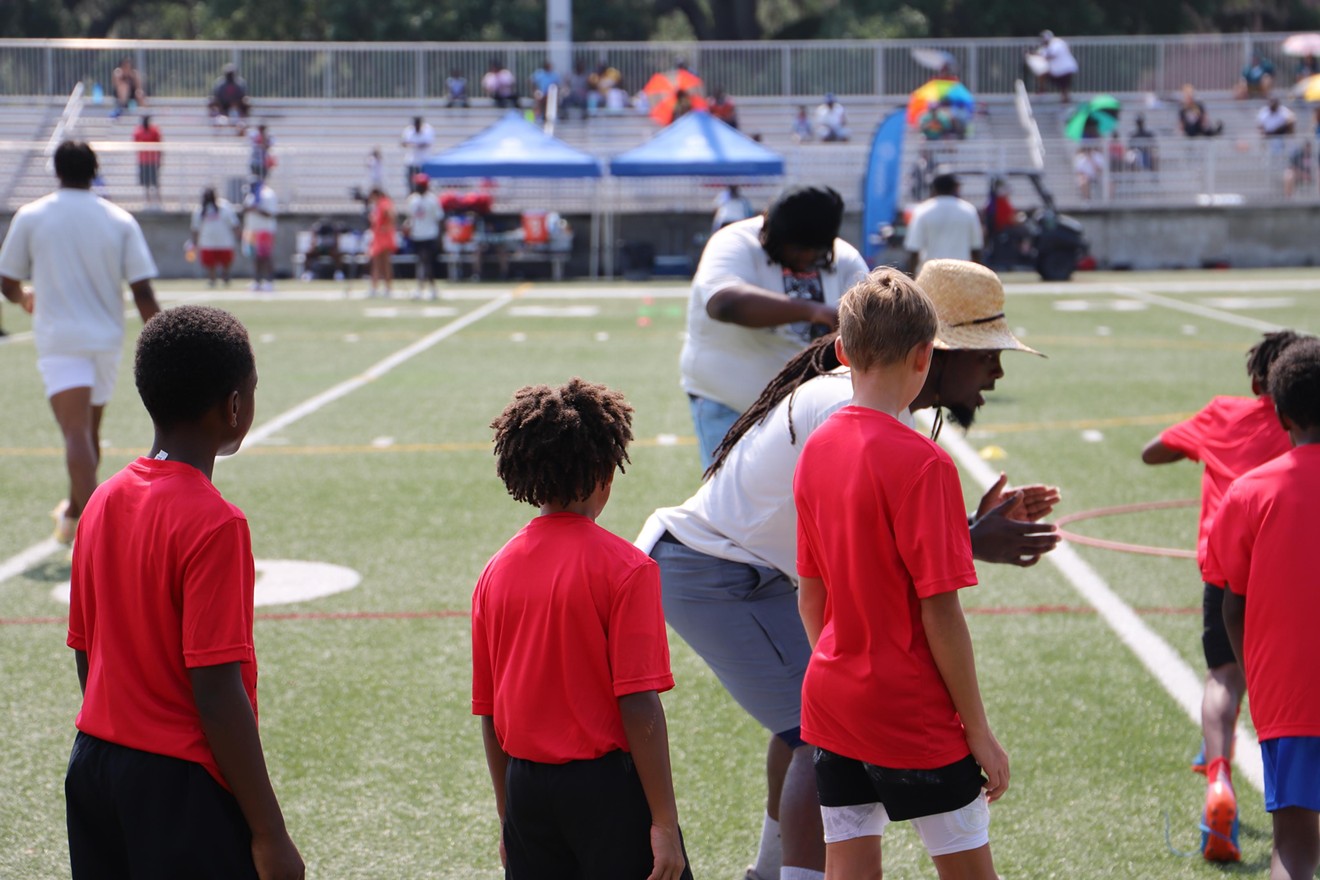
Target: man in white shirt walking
{"type": "Point", "coordinates": [421, 222]}
{"type": "Point", "coordinates": [78, 250]}
{"type": "Point", "coordinates": [944, 227]}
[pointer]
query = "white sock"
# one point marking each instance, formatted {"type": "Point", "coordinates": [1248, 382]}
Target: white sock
{"type": "Point", "coordinates": [770, 856]}
{"type": "Point", "coordinates": [800, 874]}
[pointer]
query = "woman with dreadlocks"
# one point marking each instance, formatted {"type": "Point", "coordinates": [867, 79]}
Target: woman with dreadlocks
{"type": "Point", "coordinates": [727, 555]}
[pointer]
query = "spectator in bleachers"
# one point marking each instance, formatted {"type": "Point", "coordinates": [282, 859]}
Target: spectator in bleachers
{"type": "Point", "coordinates": [456, 89]}
{"type": "Point", "coordinates": [542, 80]}
{"type": "Point", "coordinates": [942, 122]}
{"type": "Point", "coordinates": [416, 141]}
{"type": "Point", "coordinates": [1062, 66]}
{"type": "Point", "coordinates": [229, 97]}
{"type": "Point", "coordinates": [682, 104]}
{"type": "Point", "coordinates": [421, 223]}
{"type": "Point", "coordinates": [730, 207]}
{"type": "Point", "coordinates": [1192, 118]}
{"type": "Point", "coordinates": [1301, 169]}
{"type": "Point", "coordinates": [260, 158]}
{"type": "Point", "coordinates": [1307, 66]}
{"type": "Point", "coordinates": [831, 120]}
{"type": "Point", "coordinates": [1276, 120]}
{"type": "Point", "coordinates": [1141, 146]}
{"type": "Point", "coordinates": [722, 108]}
{"type": "Point", "coordinates": [214, 235]}
{"type": "Point", "coordinates": [579, 89]}
{"type": "Point", "coordinates": [383, 244]}
{"type": "Point", "coordinates": [802, 125]}
{"type": "Point", "coordinates": [1088, 165]}
{"type": "Point", "coordinates": [260, 210]}
{"type": "Point", "coordinates": [148, 160]}
{"type": "Point", "coordinates": [604, 81]}
{"type": "Point", "coordinates": [129, 88]}
{"type": "Point", "coordinates": [1257, 78]}
{"type": "Point", "coordinates": [375, 171]}
{"type": "Point", "coordinates": [500, 84]}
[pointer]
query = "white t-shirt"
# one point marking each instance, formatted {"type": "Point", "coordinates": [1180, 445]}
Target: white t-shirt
{"type": "Point", "coordinates": [1271, 121]}
{"type": "Point", "coordinates": [424, 215]}
{"type": "Point", "coordinates": [745, 513]}
{"type": "Point", "coordinates": [832, 117]}
{"type": "Point", "coordinates": [215, 231]}
{"type": "Point", "coordinates": [944, 228]}
{"type": "Point", "coordinates": [729, 363]}
{"type": "Point", "coordinates": [417, 144]}
{"type": "Point", "coordinates": [1060, 57]}
{"type": "Point", "coordinates": [253, 220]}
{"type": "Point", "coordinates": [79, 250]}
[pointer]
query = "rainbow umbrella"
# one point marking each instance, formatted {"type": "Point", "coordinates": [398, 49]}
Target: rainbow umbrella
{"type": "Point", "coordinates": [935, 91]}
{"type": "Point", "coordinates": [662, 90]}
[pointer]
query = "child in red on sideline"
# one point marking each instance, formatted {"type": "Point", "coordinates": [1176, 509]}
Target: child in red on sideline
{"type": "Point", "coordinates": [1230, 436]}
{"type": "Point", "coordinates": [167, 776]}
{"type": "Point", "coordinates": [569, 654]}
{"type": "Point", "coordinates": [1263, 540]}
{"type": "Point", "coordinates": [890, 697]}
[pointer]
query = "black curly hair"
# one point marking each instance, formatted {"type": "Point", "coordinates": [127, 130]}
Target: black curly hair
{"type": "Point", "coordinates": [1261, 356]}
{"type": "Point", "coordinates": [558, 445]}
{"type": "Point", "coordinates": [1295, 383]}
{"type": "Point", "coordinates": [806, 216]}
{"type": "Point", "coordinates": [188, 360]}
{"type": "Point", "coordinates": [814, 360]}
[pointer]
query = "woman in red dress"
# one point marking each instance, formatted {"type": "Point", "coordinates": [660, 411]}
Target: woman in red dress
{"type": "Point", "coordinates": [383, 244]}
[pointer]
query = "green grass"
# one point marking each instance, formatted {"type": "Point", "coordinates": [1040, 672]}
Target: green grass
{"type": "Point", "coordinates": [365, 720]}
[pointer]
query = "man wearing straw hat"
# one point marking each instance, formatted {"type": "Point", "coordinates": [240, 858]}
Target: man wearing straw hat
{"type": "Point", "coordinates": [727, 555]}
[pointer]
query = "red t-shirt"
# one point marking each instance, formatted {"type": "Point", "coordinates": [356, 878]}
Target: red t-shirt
{"type": "Point", "coordinates": [1264, 541]}
{"type": "Point", "coordinates": [149, 135]}
{"type": "Point", "coordinates": [1230, 436]}
{"type": "Point", "coordinates": [162, 583]}
{"type": "Point", "coordinates": [881, 522]}
{"type": "Point", "coordinates": [566, 619]}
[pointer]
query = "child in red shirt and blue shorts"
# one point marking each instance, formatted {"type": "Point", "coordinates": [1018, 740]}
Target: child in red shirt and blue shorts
{"type": "Point", "coordinates": [570, 654]}
{"type": "Point", "coordinates": [1230, 436]}
{"type": "Point", "coordinates": [890, 698]}
{"type": "Point", "coordinates": [1263, 541]}
{"type": "Point", "coordinates": [167, 776]}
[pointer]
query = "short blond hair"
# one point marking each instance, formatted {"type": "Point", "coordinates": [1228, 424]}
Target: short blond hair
{"type": "Point", "coordinates": [883, 317]}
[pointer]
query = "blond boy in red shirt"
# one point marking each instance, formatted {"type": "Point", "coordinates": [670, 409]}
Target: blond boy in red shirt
{"type": "Point", "coordinates": [890, 698]}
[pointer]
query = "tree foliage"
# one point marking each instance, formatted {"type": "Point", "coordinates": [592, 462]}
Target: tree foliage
{"type": "Point", "coordinates": [524, 20]}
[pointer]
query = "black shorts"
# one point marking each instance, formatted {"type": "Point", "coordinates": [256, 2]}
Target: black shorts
{"type": "Point", "coordinates": [906, 794]}
{"type": "Point", "coordinates": [425, 250]}
{"type": "Point", "coordinates": [584, 820]}
{"type": "Point", "coordinates": [150, 817]}
{"type": "Point", "coordinates": [1214, 635]}
{"type": "Point", "coordinates": [148, 175]}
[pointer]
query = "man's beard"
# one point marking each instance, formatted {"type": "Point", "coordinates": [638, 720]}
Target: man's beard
{"type": "Point", "coordinates": [962, 415]}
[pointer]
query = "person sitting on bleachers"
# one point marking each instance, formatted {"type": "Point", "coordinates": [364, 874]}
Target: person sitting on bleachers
{"type": "Point", "coordinates": [722, 108]}
{"type": "Point", "coordinates": [500, 84]}
{"type": "Point", "coordinates": [1141, 146]}
{"type": "Point", "coordinates": [1276, 120]}
{"type": "Point", "coordinates": [831, 120]}
{"type": "Point", "coordinates": [229, 97]}
{"type": "Point", "coordinates": [129, 88]}
{"type": "Point", "coordinates": [1257, 78]}
{"type": "Point", "coordinates": [1192, 118]}
{"type": "Point", "coordinates": [456, 89]}
{"type": "Point", "coordinates": [942, 122]}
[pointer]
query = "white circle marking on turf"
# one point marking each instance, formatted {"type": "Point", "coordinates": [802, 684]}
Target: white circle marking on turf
{"type": "Point", "coordinates": [267, 337]}
{"type": "Point", "coordinates": [1188, 329]}
{"type": "Point", "coordinates": [1100, 305]}
{"type": "Point", "coordinates": [282, 581]}
{"type": "Point", "coordinates": [1091, 435]}
{"type": "Point", "coordinates": [383, 442]}
{"type": "Point", "coordinates": [351, 337]}
{"type": "Point", "coordinates": [554, 311]}
{"type": "Point", "coordinates": [602, 336]}
{"type": "Point", "coordinates": [666, 440]}
{"type": "Point", "coordinates": [378, 312]}
{"type": "Point", "coordinates": [439, 312]}
{"type": "Point", "coordinates": [518, 337]}
{"type": "Point", "coordinates": [1102, 330]}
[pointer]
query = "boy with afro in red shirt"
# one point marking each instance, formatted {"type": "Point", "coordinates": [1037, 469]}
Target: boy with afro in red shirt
{"type": "Point", "coordinates": [569, 655]}
{"type": "Point", "coordinates": [167, 776]}
{"type": "Point", "coordinates": [890, 698]}
{"type": "Point", "coordinates": [1263, 541]}
{"type": "Point", "coordinates": [1229, 436]}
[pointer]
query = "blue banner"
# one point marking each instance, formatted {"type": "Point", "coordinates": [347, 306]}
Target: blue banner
{"type": "Point", "coordinates": [880, 189]}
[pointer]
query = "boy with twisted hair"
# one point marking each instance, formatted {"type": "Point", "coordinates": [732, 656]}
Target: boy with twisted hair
{"type": "Point", "coordinates": [570, 653]}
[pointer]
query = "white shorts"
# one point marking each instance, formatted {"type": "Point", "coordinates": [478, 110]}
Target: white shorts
{"type": "Point", "coordinates": [98, 371]}
{"type": "Point", "coordinates": [958, 830]}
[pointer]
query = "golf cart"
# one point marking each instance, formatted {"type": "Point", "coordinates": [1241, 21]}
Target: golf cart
{"type": "Point", "coordinates": [1037, 237]}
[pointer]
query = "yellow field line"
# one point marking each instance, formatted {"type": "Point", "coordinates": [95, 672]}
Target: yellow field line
{"type": "Point", "coordinates": [350, 449]}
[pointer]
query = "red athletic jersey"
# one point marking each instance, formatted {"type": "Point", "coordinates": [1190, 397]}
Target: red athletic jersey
{"type": "Point", "coordinates": [149, 135]}
{"type": "Point", "coordinates": [1264, 541]}
{"type": "Point", "coordinates": [162, 583]}
{"type": "Point", "coordinates": [566, 619]}
{"type": "Point", "coordinates": [1230, 436]}
{"type": "Point", "coordinates": [881, 522]}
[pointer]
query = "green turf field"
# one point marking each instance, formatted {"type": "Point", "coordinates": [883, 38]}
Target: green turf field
{"type": "Point", "coordinates": [364, 694]}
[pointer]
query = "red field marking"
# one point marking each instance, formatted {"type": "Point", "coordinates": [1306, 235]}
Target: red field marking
{"type": "Point", "coordinates": [1122, 546]}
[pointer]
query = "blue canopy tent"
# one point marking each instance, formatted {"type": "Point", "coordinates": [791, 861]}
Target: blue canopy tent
{"type": "Point", "coordinates": [696, 145]}
{"type": "Point", "coordinates": [515, 148]}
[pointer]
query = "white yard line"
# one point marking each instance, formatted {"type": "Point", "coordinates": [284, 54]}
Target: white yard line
{"type": "Point", "coordinates": [1198, 310]}
{"type": "Point", "coordinates": [1237, 287]}
{"type": "Point", "coordinates": [25, 559]}
{"type": "Point", "coordinates": [1164, 663]}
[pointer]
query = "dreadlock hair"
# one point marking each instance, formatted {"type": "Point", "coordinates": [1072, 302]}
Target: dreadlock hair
{"type": "Point", "coordinates": [558, 445]}
{"type": "Point", "coordinates": [188, 360]}
{"type": "Point", "coordinates": [1261, 356]}
{"type": "Point", "coordinates": [1295, 383]}
{"type": "Point", "coordinates": [814, 360]}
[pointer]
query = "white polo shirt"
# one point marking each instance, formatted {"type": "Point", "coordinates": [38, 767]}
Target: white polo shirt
{"type": "Point", "coordinates": [944, 228]}
{"type": "Point", "coordinates": [79, 250]}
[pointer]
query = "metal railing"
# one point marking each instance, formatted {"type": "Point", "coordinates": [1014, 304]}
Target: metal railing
{"type": "Point", "coordinates": [416, 72]}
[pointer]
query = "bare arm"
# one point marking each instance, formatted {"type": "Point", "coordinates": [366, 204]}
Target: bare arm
{"type": "Point", "coordinates": [1155, 452]}
{"type": "Point", "coordinates": [14, 291]}
{"type": "Point", "coordinates": [951, 646]}
{"type": "Point", "coordinates": [231, 731]}
{"type": "Point", "coordinates": [1235, 617]}
{"type": "Point", "coordinates": [80, 661]}
{"type": "Point", "coordinates": [497, 762]}
{"type": "Point", "coordinates": [145, 299]}
{"type": "Point", "coordinates": [648, 741]}
{"type": "Point", "coordinates": [750, 306]}
{"type": "Point", "coordinates": [811, 607]}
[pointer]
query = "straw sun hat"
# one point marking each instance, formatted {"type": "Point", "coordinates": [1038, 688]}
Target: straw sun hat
{"type": "Point", "coordinates": [969, 300]}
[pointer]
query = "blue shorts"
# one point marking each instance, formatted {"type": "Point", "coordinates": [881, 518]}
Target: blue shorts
{"type": "Point", "coordinates": [743, 621]}
{"type": "Point", "coordinates": [712, 420]}
{"type": "Point", "coordinates": [1292, 772]}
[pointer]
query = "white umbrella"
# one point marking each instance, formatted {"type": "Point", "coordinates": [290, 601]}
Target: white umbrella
{"type": "Point", "coordinates": [1302, 45]}
{"type": "Point", "coordinates": [934, 59]}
